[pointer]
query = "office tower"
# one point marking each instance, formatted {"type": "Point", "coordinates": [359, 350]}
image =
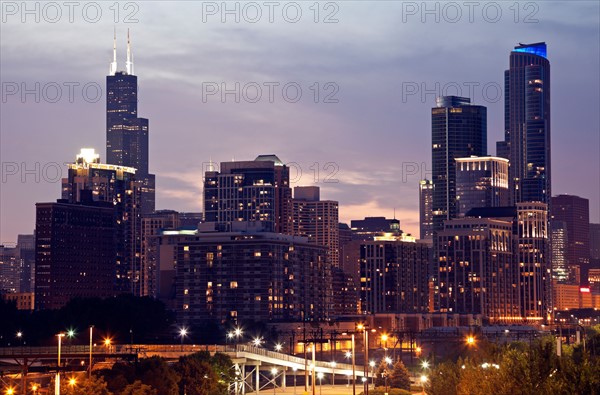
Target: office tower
{"type": "Point", "coordinates": [26, 247]}
{"type": "Point", "coordinates": [249, 274]}
{"type": "Point", "coordinates": [394, 276]}
{"type": "Point", "coordinates": [75, 251]}
{"type": "Point", "coordinates": [126, 134]}
{"type": "Point", "coordinates": [425, 209]}
{"type": "Point", "coordinates": [10, 272]}
{"type": "Point", "coordinates": [250, 191]}
{"type": "Point", "coordinates": [458, 130]}
{"type": "Point", "coordinates": [118, 186]}
{"type": "Point", "coordinates": [559, 242]}
{"type": "Point", "coordinates": [317, 220]}
{"type": "Point", "coordinates": [366, 229]}
{"type": "Point", "coordinates": [527, 124]}
{"type": "Point", "coordinates": [595, 242]}
{"type": "Point", "coordinates": [476, 269]}
{"type": "Point", "coordinates": [152, 224]}
{"type": "Point", "coordinates": [481, 182]}
{"type": "Point", "coordinates": [575, 212]}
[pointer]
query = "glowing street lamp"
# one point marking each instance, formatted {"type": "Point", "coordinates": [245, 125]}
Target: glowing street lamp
{"type": "Point", "coordinates": [34, 388]}
{"type": "Point", "coordinates": [372, 365]}
{"type": "Point", "coordinates": [425, 364]}
{"type": "Point", "coordinates": [470, 340]}
{"type": "Point", "coordinates": [278, 347]}
{"type": "Point", "coordinates": [274, 373]}
{"type": "Point", "coordinates": [320, 377]}
{"type": "Point", "coordinates": [10, 391]}
{"type": "Point", "coordinates": [333, 365]}
{"type": "Point", "coordinates": [182, 333]}
{"type": "Point", "coordinates": [257, 341]}
{"type": "Point", "coordinates": [423, 381]}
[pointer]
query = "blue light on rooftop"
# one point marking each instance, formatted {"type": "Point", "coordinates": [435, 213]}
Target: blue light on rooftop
{"type": "Point", "coordinates": [535, 49]}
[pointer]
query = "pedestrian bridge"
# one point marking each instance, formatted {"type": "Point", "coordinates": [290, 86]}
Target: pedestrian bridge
{"type": "Point", "coordinates": [255, 367]}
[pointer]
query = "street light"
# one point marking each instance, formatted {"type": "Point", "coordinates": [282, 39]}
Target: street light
{"type": "Point", "coordinates": [257, 341]}
{"type": "Point", "coordinates": [470, 340]}
{"type": "Point", "coordinates": [425, 364]}
{"type": "Point", "coordinates": [372, 365]}
{"type": "Point", "coordinates": [274, 373]}
{"type": "Point", "coordinates": [278, 347]}
{"type": "Point", "coordinates": [320, 377]}
{"type": "Point", "coordinates": [294, 369]}
{"type": "Point", "coordinates": [10, 391]}
{"type": "Point", "coordinates": [364, 328]}
{"type": "Point", "coordinates": [333, 365]}
{"type": "Point", "coordinates": [182, 333]}
{"type": "Point", "coordinates": [91, 348]}
{"type": "Point", "coordinates": [34, 388]}
{"type": "Point", "coordinates": [57, 382]}
{"type": "Point", "coordinates": [423, 381]}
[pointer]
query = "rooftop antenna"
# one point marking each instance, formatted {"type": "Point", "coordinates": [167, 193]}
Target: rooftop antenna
{"type": "Point", "coordinates": [113, 64]}
{"type": "Point", "coordinates": [129, 63]}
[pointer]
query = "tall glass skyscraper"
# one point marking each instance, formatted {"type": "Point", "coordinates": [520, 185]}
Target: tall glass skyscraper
{"type": "Point", "coordinates": [527, 123]}
{"type": "Point", "coordinates": [126, 133]}
{"type": "Point", "coordinates": [458, 130]}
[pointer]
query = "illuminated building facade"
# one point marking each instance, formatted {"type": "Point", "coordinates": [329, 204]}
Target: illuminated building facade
{"type": "Point", "coordinates": [250, 274]}
{"type": "Point", "coordinates": [394, 273]}
{"type": "Point", "coordinates": [425, 209]}
{"type": "Point", "coordinates": [527, 124]}
{"type": "Point", "coordinates": [560, 240]}
{"type": "Point", "coordinates": [250, 191]}
{"type": "Point", "coordinates": [118, 186]}
{"type": "Point", "coordinates": [370, 227]}
{"type": "Point", "coordinates": [317, 220]}
{"type": "Point", "coordinates": [458, 130]}
{"type": "Point", "coordinates": [575, 212]}
{"type": "Point", "coordinates": [127, 135]}
{"type": "Point", "coordinates": [75, 251]}
{"type": "Point", "coordinates": [481, 182]}
{"type": "Point", "coordinates": [476, 271]}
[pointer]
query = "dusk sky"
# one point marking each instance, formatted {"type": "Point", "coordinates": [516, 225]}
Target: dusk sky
{"type": "Point", "coordinates": [376, 137]}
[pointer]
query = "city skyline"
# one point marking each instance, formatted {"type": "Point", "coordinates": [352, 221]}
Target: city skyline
{"type": "Point", "coordinates": [368, 146]}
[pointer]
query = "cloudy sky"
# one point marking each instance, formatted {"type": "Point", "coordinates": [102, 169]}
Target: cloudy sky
{"type": "Point", "coordinates": [346, 89]}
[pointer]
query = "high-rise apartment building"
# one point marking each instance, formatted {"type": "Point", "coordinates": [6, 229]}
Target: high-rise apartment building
{"type": "Point", "coordinates": [595, 242]}
{"type": "Point", "coordinates": [458, 130]}
{"type": "Point", "coordinates": [575, 212]}
{"type": "Point", "coordinates": [426, 209]}
{"type": "Point", "coordinates": [559, 242]}
{"type": "Point", "coordinates": [250, 191]}
{"type": "Point", "coordinates": [527, 124]}
{"type": "Point", "coordinates": [481, 182]}
{"type": "Point", "coordinates": [249, 274]}
{"type": "Point", "coordinates": [75, 251]}
{"type": "Point", "coordinates": [394, 275]}
{"type": "Point", "coordinates": [10, 271]}
{"type": "Point", "coordinates": [118, 186]}
{"type": "Point", "coordinates": [317, 220]}
{"type": "Point", "coordinates": [476, 272]}
{"type": "Point", "coordinates": [370, 227]}
{"type": "Point", "coordinates": [26, 247]}
{"type": "Point", "coordinates": [127, 135]}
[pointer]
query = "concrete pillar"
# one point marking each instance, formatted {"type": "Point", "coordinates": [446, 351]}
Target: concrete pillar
{"type": "Point", "coordinates": [257, 384]}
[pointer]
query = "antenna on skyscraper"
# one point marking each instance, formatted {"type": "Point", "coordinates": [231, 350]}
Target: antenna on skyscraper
{"type": "Point", "coordinates": [113, 64]}
{"type": "Point", "coordinates": [129, 63]}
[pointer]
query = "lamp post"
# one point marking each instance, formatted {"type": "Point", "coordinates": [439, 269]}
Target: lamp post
{"type": "Point", "coordinates": [423, 381]}
{"type": "Point", "coordinates": [320, 376]}
{"type": "Point", "coordinates": [353, 368]}
{"type": "Point", "coordinates": [57, 382]}
{"type": "Point", "coordinates": [364, 328]}
{"type": "Point", "coordinates": [182, 333]}
{"type": "Point", "coordinates": [294, 369]}
{"type": "Point", "coordinates": [274, 373]}
{"type": "Point", "coordinates": [372, 365]}
{"type": "Point", "coordinates": [91, 347]}
{"type": "Point", "coordinates": [333, 365]}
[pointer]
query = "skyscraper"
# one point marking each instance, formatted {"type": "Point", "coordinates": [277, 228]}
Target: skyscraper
{"type": "Point", "coordinates": [458, 130]}
{"type": "Point", "coordinates": [425, 209]}
{"type": "Point", "coordinates": [26, 247]}
{"type": "Point", "coordinates": [127, 135]}
{"type": "Point", "coordinates": [595, 241]}
{"type": "Point", "coordinates": [317, 220]}
{"type": "Point", "coordinates": [118, 186]}
{"type": "Point", "coordinates": [575, 212]}
{"type": "Point", "coordinates": [481, 182]}
{"type": "Point", "coordinates": [250, 191]}
{"type": "Point", "coordinates": [75, 251]}
{"type": "Point", "coordinates": [394, 276]}
{"type": "Point", "coordinates": [559, 241]}
{"type": "Point", "coordinates": [527, 123]}
{"type": "Point", "coordinates": [476, 269]}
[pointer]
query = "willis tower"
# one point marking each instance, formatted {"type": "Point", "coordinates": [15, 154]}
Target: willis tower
{"type": "Point", "coordinates": [126, 133]}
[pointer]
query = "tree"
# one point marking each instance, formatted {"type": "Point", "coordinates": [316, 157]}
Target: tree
{"type": "Point", "coordinates": [94, 386]}
{"type": "Point", "coordinates": [444, 379]}
{"type": "Point", "coordinates": [381, 373]}
{"type": "Point", "coordinates": [137, 388]}
{"type": "Point", "coordinates": [399, 376]}
{"type": "Point", "coordinates": [197, 377]}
